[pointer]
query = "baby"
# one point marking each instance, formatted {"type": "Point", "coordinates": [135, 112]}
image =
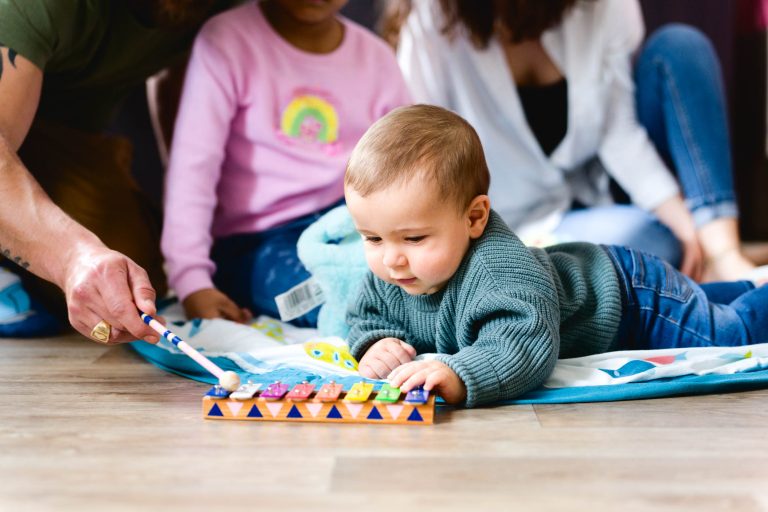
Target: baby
{"type": "Point", "coordinates": [449, 277]}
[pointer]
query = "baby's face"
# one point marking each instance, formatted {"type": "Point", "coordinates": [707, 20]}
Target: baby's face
{"type": "Point", "coordinates": [412, 239]}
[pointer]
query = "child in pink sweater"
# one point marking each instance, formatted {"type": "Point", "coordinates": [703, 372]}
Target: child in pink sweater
{"type": "Point", "coordinates": [277, 94]}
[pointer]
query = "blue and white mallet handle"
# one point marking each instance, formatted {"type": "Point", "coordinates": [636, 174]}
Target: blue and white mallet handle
{"type": "Point", "coordinates": [228, 380]}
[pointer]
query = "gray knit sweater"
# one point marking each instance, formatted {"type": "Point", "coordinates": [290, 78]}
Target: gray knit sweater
{"type": "Point", "coordinates": [505, 317]}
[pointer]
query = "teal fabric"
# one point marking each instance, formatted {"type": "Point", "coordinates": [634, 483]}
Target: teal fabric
{"type": "Point", "coordinates": [182, 365]}
{"type": "Point", "coordinates": [506, 315]}
{"type": "Point", "coordinates": [614, 375]}
{"type": "Point", "coordinates": [685, 385]}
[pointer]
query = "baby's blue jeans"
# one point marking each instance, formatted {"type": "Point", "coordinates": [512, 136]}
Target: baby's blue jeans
{"type": "Point", "coordinates": [662, 308]}
{"type": "Point", "coordinates": [253, 268]}
{"type": "Point", "coordinates": [680, 102]}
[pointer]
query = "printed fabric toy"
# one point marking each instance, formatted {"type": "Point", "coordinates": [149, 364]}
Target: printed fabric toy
{"type": "Point", "coordinates": [332, 251]}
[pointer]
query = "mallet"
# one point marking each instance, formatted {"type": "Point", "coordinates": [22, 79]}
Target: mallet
{"type": "Point", "coordinates": [228, 380]}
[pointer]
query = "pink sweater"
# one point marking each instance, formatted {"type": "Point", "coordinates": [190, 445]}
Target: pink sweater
{"type": "Point", "coordinates": [263, 133]}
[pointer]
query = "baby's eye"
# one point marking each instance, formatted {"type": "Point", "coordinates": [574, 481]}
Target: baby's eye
{"type": "Point", "coordinates": [372, 239]}
{"type": "Point", "coordinates": [415, 239]}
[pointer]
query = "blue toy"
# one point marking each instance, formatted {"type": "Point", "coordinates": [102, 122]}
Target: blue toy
{"type": "Point", "coordinates": [332, 251]}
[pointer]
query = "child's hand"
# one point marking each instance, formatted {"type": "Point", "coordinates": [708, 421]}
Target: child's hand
{"type": "Point", "coordinates": [211, 303]}
{"type": "Point", "coordinates": [384, 356]}
{"type": "Point", "coordinates": [433, 375]}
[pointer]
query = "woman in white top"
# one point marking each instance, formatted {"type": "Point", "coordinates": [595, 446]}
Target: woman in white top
{"type": "Point", "coordinates": [549, 87]}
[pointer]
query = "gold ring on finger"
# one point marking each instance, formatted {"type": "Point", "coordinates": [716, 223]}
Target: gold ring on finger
{"type": "Point", "coordinates": [101, 332]}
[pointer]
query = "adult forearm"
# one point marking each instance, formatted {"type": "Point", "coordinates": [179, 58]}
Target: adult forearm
{"type": "Point", "coordinates": [675, 214]}
{"type": "Point", "coordinates": [35, 233]}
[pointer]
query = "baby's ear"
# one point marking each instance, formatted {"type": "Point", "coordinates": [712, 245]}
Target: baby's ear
{"type": "Point", "coordinates": [477, 215]}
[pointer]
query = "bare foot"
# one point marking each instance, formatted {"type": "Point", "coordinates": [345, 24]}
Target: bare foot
{"type": "Point", "coordinates": [730, 265]}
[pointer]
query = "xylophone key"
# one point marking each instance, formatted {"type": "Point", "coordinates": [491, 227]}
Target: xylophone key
{"type": "Point", "coordinates": [217, 392]}
{"type": "Point", "coordinates": [301, 391]}
{"type": "Point", "coordinates": [417, 395]}
{"type": "Point", "coordinates": [245, 392]}
{"type": "Point", "coordinates": [274, 391]}
{"type": "Point", "coordinates": [329, 392]}
{"type": "Point", "coordinates": [387, 394]}
{"type": "Point", "coordinates": [359, 392]}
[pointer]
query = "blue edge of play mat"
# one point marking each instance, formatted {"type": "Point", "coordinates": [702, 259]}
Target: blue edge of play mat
{"type": "Point", "coordinates": [676, 386]}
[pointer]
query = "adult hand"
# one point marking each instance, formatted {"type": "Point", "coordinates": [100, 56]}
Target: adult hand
{"type": "Point", "coordinates": [102, 284]}
{"type": "Point", "coordinates": [211, 303]}
{"type": "Point", "coordinates": [384, 356]}
{"type": "Point", "coordinates": [433, 375]}
{"type": "Point", "coordinates": [693, 263]}
{"type": "Point", "coordinates": [675, 215]}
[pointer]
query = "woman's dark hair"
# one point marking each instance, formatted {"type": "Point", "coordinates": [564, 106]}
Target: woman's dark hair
{"type": "Point", "coordinates": [521, 19]}
{"type": "Point", "coordinates": [394, 14]}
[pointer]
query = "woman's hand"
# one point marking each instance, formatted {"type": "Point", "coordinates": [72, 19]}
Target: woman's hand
{"type": "Point", "coordinates": [674, 214]}
{"type": "Point", "coordinates": [693, 263]}
{"type": "Point", "coordinates": [384, 356]}
{"type": "Point", "coordinates": [212, 303]}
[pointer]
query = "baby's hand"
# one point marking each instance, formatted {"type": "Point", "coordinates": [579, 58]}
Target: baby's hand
{"type": "Point", "coordinates": [212, 303]}
{"type": "Point", "coordinates": [432, 375]}
{"type": "Point", "coordinates": [384, 356]}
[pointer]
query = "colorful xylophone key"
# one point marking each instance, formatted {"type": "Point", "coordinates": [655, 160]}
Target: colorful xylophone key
{"type": "Point", "coordinates": [275, 391]}
{"type": "Point", "coordinates": [417, 395]}
{"type": "Point", "coordinates": [300, 391]}
{"type": "Point", "coordinates": [329, 392]}
{"type": "Point", "coordinates": [388, 394]}
{"type": "Point", "coordinates": [359, 392]}
{"type": "Point", "coordinates": [245, 391]}
{"type": "Point", "coordinates": [217, 392]}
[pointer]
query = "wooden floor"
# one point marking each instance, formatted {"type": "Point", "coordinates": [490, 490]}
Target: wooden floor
{"type": "Point", "coordinates": [84, 427]}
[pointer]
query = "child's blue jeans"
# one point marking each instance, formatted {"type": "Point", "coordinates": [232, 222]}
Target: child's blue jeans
{"type": "Point", "coordinates": [662, 308]}
{"type": "Point", "coordinates": [252, 268]}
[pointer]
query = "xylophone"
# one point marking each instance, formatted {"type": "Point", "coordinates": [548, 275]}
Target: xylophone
{"type": "Point", "coordinates": [330, 403]}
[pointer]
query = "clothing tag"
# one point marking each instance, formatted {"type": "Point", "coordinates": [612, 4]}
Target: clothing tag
{"type": "Point", "coordinates": [300, 299]}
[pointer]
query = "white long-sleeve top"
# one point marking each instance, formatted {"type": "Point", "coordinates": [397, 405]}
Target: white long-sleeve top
{"type": "Point", "coordinates": [593, 49]}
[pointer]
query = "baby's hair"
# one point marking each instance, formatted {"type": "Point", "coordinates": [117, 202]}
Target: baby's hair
{"type": "Point", "coordinates": [420, 140]}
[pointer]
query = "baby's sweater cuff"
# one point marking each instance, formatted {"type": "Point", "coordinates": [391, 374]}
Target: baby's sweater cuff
{"type": "Point", "coordinates": [479, 377]}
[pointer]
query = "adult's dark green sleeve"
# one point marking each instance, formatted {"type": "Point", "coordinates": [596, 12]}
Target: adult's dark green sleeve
{"type": "Point", "coordinates": [32, 28]}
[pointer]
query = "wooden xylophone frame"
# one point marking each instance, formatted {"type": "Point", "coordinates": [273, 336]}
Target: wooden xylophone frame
{"type": "Point", "coordinates": [313, 410]}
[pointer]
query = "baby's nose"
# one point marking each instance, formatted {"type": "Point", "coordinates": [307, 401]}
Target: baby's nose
{"type": "Point", "coordinates": [394, 258]}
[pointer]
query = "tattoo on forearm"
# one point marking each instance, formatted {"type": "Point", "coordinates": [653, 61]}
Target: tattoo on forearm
{"type": "Point", "coordinates": [5, 252]}
{"type": "Point", "coordinates": [11, 58]}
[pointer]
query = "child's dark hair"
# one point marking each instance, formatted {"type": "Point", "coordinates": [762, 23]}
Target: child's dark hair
{"type": "Point", "coordinates": [420, 140]}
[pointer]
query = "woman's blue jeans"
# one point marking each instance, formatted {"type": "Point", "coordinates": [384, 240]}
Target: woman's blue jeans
{"type": "Point", "coordinates": [253, 268]}
{"type": "Point", "coordinates": [680, 101]}
{"type": "Point", "coordinates": [662, 308]}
